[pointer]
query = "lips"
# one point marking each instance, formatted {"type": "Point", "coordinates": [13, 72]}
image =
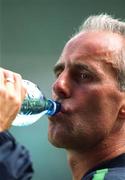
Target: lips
{"type": "Point", "coordinates": [63, 110]}
{"type": "Point", "coordinates": [65, 107]}
{"type": "Point", "coordinates": [62, 114]}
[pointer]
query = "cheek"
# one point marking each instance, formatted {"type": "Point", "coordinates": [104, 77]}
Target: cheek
{"type": "Point", "coordinates": [94, 116]}
{"type": "Point", "coordinates": [89, 102]}
{"type": "Point", "coordinates": [97, 105]}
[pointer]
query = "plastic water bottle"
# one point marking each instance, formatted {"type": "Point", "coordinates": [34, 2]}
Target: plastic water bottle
{"type": "Point", "coordinates": [34, 106]}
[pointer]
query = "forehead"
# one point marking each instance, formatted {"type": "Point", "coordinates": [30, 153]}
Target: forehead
{"type": "Point", "coordinates": [92, 45]}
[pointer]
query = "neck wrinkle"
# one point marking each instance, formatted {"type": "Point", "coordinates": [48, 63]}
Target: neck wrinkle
{"type": "Point", "coordinates": [81, 162]}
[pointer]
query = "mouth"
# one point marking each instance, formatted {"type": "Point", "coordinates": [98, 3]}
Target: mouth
{"type": "Point", "coordinates": [62, 111]}
{"type": "Point", "coordinates": [61, 114]}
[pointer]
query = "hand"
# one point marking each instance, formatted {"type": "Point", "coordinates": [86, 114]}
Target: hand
{"type": "Point", "coordinates": [12, 93]}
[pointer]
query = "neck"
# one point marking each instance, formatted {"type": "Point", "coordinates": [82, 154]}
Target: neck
{"type": "Point", "coordinates": [82, 161]}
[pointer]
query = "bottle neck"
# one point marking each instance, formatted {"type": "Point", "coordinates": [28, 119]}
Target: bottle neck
{"type": "Point", "coordinates": [53, 107]}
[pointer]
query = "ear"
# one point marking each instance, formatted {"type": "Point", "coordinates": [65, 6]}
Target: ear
{"type": "Point", "coordinates": [122, 112]}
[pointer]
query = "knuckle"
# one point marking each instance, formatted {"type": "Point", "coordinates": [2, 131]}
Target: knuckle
{"type": "Point", "coordinates": [2, 91]}
{"type": "Point", "coordinates": [18, 76]}
{"type": "Point", "coordinates": [7, 72]}
{"type": "Point", "coordinates": [13, 98]}
{"type": "Point", "coordinates": [17, 104]}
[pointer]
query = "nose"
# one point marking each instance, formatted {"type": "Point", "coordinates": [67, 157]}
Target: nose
{"type": "Point", "coordinates": [62, 86]}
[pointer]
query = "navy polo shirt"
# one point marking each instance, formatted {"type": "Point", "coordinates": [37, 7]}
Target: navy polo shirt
{"type": "Point", "coordinates": [110, 170]}
{"type": "Point", "coordinates": [15, 162]}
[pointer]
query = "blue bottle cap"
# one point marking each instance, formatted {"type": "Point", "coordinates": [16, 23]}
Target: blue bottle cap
{"type": "Point", "coordinates": [53, 108]}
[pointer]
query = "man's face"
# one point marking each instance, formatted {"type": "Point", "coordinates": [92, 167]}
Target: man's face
{"type": "Point", "coordinates": [87, 88]}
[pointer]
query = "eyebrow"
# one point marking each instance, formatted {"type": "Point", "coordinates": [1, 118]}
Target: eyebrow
{"type": "Point", "coordinates": [83, 66]}
{"type": "Point", "coordinates": [58, 66]}
{"type": "Point", "coordinates": [78, 65]}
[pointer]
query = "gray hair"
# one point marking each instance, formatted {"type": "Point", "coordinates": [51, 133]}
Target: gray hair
{"type": "Point", "coordinates": [104, 22]}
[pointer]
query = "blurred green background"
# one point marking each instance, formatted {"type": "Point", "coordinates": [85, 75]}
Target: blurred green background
{"type": "Point", "coordinates": [33, 34]}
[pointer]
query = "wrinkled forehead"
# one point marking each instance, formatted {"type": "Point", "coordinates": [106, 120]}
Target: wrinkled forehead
{"type": "Point", "coordinates": [96, 45]}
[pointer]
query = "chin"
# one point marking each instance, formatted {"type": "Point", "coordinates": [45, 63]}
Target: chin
{"type": "Point", "coordinates": [58, 137]}
{"type": "Point", "coordinates": [55, 143]}
{"type": "Point", "coordinates": [55, 138]}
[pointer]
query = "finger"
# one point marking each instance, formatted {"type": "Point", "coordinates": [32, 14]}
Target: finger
{"type": "Point", "coordinates": [20, 88]}
{"type": "Point", "coordinates": [1, 77]}
{"type": "Point", "coordinates": [8, 76]}
{"type": "Point", "coordinates": [9, 80]}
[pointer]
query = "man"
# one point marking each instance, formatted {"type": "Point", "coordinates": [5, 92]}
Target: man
{"type": "Point", "coordinates": [15, 162]}
{"type": "Point", "coordinates": [90, 84]}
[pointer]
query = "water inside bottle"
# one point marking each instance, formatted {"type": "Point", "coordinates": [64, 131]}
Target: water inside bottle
{"type": "Point", "coordinates": [24, 120]}
{"type": "Point", "coordinates": [34, 106]}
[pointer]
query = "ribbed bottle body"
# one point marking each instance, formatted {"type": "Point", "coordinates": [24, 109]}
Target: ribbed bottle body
{"type": "Point", "coordinates": [34, 106]}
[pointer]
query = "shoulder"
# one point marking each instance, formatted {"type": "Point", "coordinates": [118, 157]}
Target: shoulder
{"type": "Point", "coordinates": [15, 159]}
{"type": "Point", "coordinates": [115, 173]}
{"type": "Point", "coordinates": [106, 174]}
{"type": "Point", "coordinates": [6, 136]}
